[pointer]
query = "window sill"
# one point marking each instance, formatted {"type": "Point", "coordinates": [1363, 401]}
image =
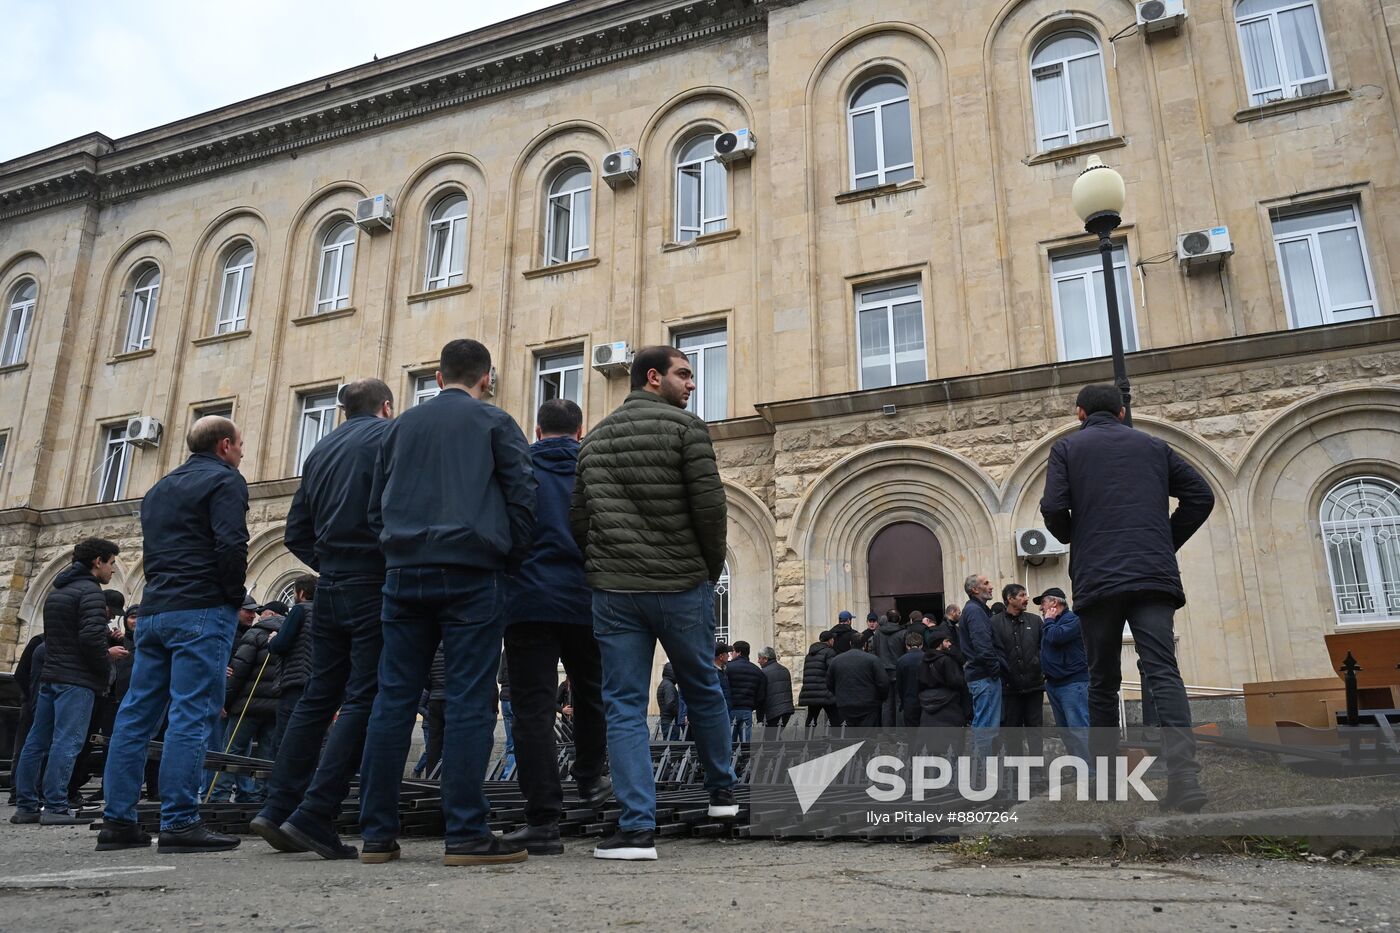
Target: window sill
{"type": "Point", "coordinates": [324, 316]}
{"type": "Point", "coordinates": [132, 355]}
{"type": "Point", "coordinates": [432, 293]}
{"type": "Point", "coordinates": [13, 368]}
{"type": "Point", "coordinates": [719, 237]}
{"type": "Point", "coordinates": [221, 338]}
{"type": "Point", "coordinates": [1291, 104]}
{"type": "Point", "coordinates": [870, 194]}
{"type": "Point", "coordinates": [1065, 153]}
{"type": "Point", "coordinates": [561, 268]}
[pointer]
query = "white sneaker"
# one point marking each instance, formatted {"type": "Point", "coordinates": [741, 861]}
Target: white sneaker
{"type": "Point", "coordinates": [639, 846]}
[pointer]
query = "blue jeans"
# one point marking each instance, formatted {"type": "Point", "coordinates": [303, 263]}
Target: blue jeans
{"type": "Point", "coordinates": [508, 719]}
{"type": "Point", "coordinates": [260, 731]}
{"type": "Point", "coordinates": [344, 676]}
{"type": "Point", "coordinates": [742, 720]}
{"type": "Point", "coordinates": [628, 626]}
{"type": "Point", "coordinates": [180, 661]}
{"type": "Point", "coordinates": [59, 730]}
{"type": "Point", "coordinates": [463, 609]}
{"type": "Point", "coordinates": [1070, 704]}
{"type": "Point", "coordinates": [986, 718]}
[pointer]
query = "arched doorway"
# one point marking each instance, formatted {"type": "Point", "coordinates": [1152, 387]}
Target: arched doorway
{"type": "Point", "coordinates": [906, 570]}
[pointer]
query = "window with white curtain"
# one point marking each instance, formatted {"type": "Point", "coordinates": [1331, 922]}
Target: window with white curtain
{"type": "Point", "coordinates": [141, 319]}
{"type": "Point", "coordinates": [890, 332]}
{"type": "Point", "coordinates": [115, 463]}
{"type": "Point", "coordinates": [317, 420]}
{"type": "Point", "coordinates": [1081, 304]}
{"type": "Point", "coordinates": [19, 318]}
{"type": "Point", "coordinates": [702, 194]}
{"type": "Point", "coordinates": [882, 140]}
{"type": "Point", "coordinates": [708, 353]}
{"type": "Point", "coordinates": [1070, 92]}
{"type": "Point", "coordinates": [447, 243]}
{"type": "Point", "coordinates": [566, 219]}
{"type": "Point", "coordinates": [337, 268]}
{"type": "Point", "coordinates": [1326, 272]}
{"type": "Point", "coordinates": [425, 387]}
{"type": "Point", "coordinates": [233, 294]}
{"type": "Point", "coordinates": [1361, 534]}
{"type": "Point", "coordinates": [1283, 49]}
{"type": "Point", "coordinates": [559, 375]}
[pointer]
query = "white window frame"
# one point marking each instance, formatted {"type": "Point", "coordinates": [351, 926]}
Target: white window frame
{"type": "Point", "coordinates": [1313, 237]}
{"type": "Point", "coordinates": [145, 299]}
{"type": "Point", "coordinates": [222, 409]}
{"type": "Point", "coordinates": [237, 280]}
{"type": "Point", "coordinates": [1288, 86]}
{"type": "Point", "coordinates": [889, 304]}
{"type": "Point", "coordinates": [1100, 342]}
{"type": "Point", "coordinates": [878, 109]}
{"type": "Point", "coordinates": [1383, 593]}
{"type": "Point", "coordinates": [697, 166]}
{"type": "Point", "coordinates": [114, 454]}
{"type": "Point", "coordinates": [12, 351]}
{"type": "Point", "coordinates": [343, 253]}
{"type": "Point", "coordinates": [425, 387]}
{"type": "Point", "coordinates": [320, 408]}
{"type": "Point", "coordinates": [569, 201]}
{"type": "Point", "coordinates": [454, 226]}
{"type": "Point", "coordinates": [698, 355]}
{"type": "Point", "coordinates": [547, 364]}
{"type": "Point", "coordinates": [4, 449]}
{"type": "Point", "coordinates": [1075, 131]}
{"type": "Point", "coordinates": [723, 608]}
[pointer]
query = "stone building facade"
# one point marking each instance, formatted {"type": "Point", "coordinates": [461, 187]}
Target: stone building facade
{"type": "Point", "coordinates": [893, 279]}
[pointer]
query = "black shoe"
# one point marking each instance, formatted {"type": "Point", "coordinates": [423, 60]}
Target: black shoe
{"type": "Point", "coordinates": [195, 837]}
{"type": "Point", "coordinates": [269, 828]}
{"type": "Point", "coordinates": [596, 792]}
{"type": "Point", "coordinates": [75, 801]}
{"type": "Point", "coordinates": [537, 840]}
{"type": "Point", "coordinates": [639, 846]}
{"type": "Point", "coordinates": [323, 840]}
{"type": "Point", "coordinates": [24, 816]}
{"type": "Point", "coordinates": [485, 850]}
{"type": "Point", "coordinates": [377, 853]}
{"type": "Point", "coordinates": [1184, 794]}
{"type": "Point", "coordinates": [64, 819]}
{"type": "Point", "coordinates": [723, 805]}
{"type": "Point", "coordinates": [120, 834]}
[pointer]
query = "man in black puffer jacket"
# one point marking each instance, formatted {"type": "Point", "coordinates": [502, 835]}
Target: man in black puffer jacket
{"type": "Point", "coordinates": [293, 645]}
{"type": "Point", "coordinates": [814, 694]}
{"type": "Point", "coordinates": [748, 691]}
{"type": "Point", "coordinates": [250, 707]}
{"type": "Point", "coordinates": [77, 667]}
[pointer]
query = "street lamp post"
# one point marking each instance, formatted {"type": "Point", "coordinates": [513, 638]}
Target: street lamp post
{"type": "Point", "coordinates": [1098, 198]}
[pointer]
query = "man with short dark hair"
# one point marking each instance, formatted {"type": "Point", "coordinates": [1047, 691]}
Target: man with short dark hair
{"type": "Point", "coordinates": [649, 515]}
{"type": "Point", "coordinates": [906, 677]}
{"type": "Point", "coordinates": [843, 632]}
{"type": "Point", "coordinates": [77, 666]}
{"type": "Point", "coordinates": [453, 503]}
{"type": "Point", "coordinates": [748, 691]}
{"type": "Point", "coordinates": [1018, 634]}
{"type": "Point", "coordinates": [778, 709]}
{"type": "Point", "coordinates": [195, 537]}
{"type": "Point", "coordinates": [1108, 493]}
{"type": "Point", "coordinates": [859, 684]}
{"type": "Point", "coordinates": [815, 695]}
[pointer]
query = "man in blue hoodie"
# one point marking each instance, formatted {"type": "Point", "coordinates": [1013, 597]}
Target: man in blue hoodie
{"type": "Point", "coordinates": [549, 618]}
{"type": "Point", "coordinates": [1066, 669]}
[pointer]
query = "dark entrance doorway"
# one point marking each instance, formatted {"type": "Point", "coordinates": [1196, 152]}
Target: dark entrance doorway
{"type": "Point", "coordinates": [906, 570]}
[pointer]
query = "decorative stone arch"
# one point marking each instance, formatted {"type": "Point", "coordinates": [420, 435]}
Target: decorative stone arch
{"type": "Point", "coordinates": [303, 247]}
{"type": "Point", "coordinates": [576, 142]}
{"type": "Point", "coordinates": [270, 564]}
{"type": "Point", "coordinates": [750, 538]}
{"type": "Point", "coordinates": [215, 244]}
{"type": "Point", "coordinates": [455, 172]}
{"type": "Point", "coordinates": [25, 264]}
{"type": "Point", "coordinates": [151, 246]}
{"type": "Point", "coordinates": [31, 607]}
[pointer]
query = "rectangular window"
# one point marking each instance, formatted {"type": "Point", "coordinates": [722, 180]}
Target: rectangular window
{"type": "Point", "coordinates": [115, 456]}
{"type": "Point", "coordinates": [1284, 55]}
{"type": "Point", "coordinates": [1323, 263]}
{"type": "Point", "coordinates": [1081, 304]}
{"type": "Point", "coordinates": [708, 352]}
{"type": "Point", "coordinates": [890, 333]}
{"type": "Point", "coordinates": [216, 409]}
{"type": "Point", "coordinates": [424, 388]}
{"type": "Point", "coordinates": [4, 443]}
{"type": "Point", "coordinates": [317, 420]}
{"type": "Point", "coordinates": [560, 376]}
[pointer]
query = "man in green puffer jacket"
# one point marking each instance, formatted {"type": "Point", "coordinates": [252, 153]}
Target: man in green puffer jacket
{"type": "Point", "coordinates": [648, 513]}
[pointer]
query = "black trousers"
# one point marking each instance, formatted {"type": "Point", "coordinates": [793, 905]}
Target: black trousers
{"type": "Point", "coordinates": [863, 716]}
{"type": "Point", "coordinates": [778, 722]}
{"type": "Point", "coordinates": [1024, 712]}
{"type": "Point", "coordinates": [1149, 618]}
{"type": "Point", "coordinates": [533, 653]}
{"type": "Point", "coordinates": [833, 718]}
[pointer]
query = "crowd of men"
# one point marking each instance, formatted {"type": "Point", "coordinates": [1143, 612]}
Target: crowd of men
{"type": "Point", "coordinates": [440, 535]}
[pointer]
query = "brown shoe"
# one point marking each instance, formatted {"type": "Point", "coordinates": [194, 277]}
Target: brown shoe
{"type": "Point", "coordinates": [485, 850]}
{"type": "Point", "coordinates": [377, 853]}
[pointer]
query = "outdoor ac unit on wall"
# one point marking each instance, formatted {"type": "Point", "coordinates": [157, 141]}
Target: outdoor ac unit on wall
{"type": "Point", "coordinates": [734, 145]}
{"type": "Point", "coordinates": [1204, 247]}
{"type": "Point", "coordinates": [1160, 17]}
{"type": "Point", "coordinates": [621, 167]}
{"type": "Point", "coordinates": [609, 358]}
{"type": "Point", "coordinates": [1037, 542]}
{"type": "Point", "coordinates": [375, 214]}
{"type": "Point", "coordinates": [143, 432]}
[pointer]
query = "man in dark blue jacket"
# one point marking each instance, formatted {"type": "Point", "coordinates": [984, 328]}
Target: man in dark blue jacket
{"type": "Point", "coordinates": [328, 531]}
{"type": "Point", "coordinates": [983, 664]}
{"type": "Point", "coordinates": [1107, 493]}
{"type": "Point", "coordinates": [195, 533]}
{"type": "Point", "coordinates": [549, 618]}
{"type": "Point", "coordinates": [748, 691]}
{"type": "Point", "coordinates": [1066, 669]}
{"type": "Point", "coordinates": [453, 503]}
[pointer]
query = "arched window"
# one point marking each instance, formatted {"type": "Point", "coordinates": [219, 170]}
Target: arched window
{"type": "Point", "coordinates": [566, 219]}
{"type": "Point", "coordinates": [1071, 96]}
{"type": "Point", "coordinates": [701, 190]}
{"type": "Point", "coordinates": [882, 142]}
{"type": "Point", "coordinates": [447, 243]}
{"type": "Point", "coordinates": [337, 267]}
{"type": "Point", "coordinates": [233, 294]}
{"type": "Point", "coordinates": [1281, 43]}
{"type": "Point", "coordinates": [19, 318]}
{"type": "Point", "coordinates": [1361, 532]}
{"type": "Point", "coordinates": [287, 595]}
{"type": "Point", "coordinates": [141, 321]}
{"type": "Point", "coordinates": [722, 606]}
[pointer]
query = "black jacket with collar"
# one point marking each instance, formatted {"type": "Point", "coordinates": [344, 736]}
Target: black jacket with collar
{"type": "Point", "coordinates": [328, 525]}
{"type": "Point", "coordinates": [194, 528]}
{"type": "Point", "coordinates": [1018, 640]}
{"type": "Point", "coordinates": [75, 632]}
{"type": "Point", "coordinates": [748, 688]}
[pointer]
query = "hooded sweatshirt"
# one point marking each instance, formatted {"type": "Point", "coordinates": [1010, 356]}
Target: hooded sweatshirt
{"type": "Point", "coordinates": [550, 585]}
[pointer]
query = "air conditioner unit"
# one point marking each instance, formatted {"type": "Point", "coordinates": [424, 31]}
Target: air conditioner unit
{"type": "Point", "coordinates": [374, 214]}
{"type": "Point", "coordinates": [613, 357]}
{"type": "Point", "coordinates": [1037, 542]}
{"type": "Point", "coordinates": [621, 167]}
{"type": "Point", "coordinates": [735, 145]}
{"type": "Point", "coordinates": [1204, 247]}
{"type": "Point", "coordinates": [143, 432]}
{"type": "Point", "coordinates": [1155, 17]}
